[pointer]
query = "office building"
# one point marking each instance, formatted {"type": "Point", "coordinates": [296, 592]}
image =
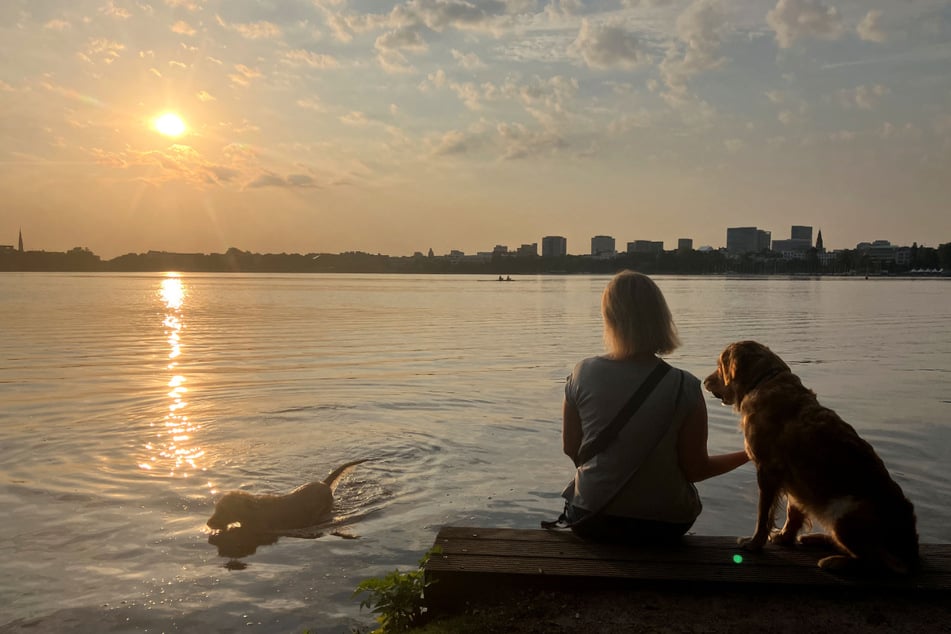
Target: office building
{"type": "Point", "coordinates": [527, 250]}
{"type": "Point", "coordinates": [741, 240]}
{"type": "Point", "coordinates": [800, 241]}
{"type": "Point", "coordinates": [799, 232]}
{"type": "Point", "coordinates": [602, 246]}
{"type": "Point", "coordinates": [554, 247]}
{"type": "Point", "coordinates": [645, 246]}
{"type": "Point", "coordinates": [684, 245]}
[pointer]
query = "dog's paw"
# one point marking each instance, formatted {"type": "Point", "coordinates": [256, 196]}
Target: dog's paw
{"type": "Point", "coordinates": [786, 540]}
{"type": "Point", "coordinates": [752, 544]}
{"type": "Point", "coordinates": [838, 564]}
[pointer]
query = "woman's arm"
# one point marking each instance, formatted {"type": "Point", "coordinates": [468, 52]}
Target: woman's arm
{"type": "Point", "coordinates": [695, 462]}
{"type": "Point", "coordinates": [571, 431]}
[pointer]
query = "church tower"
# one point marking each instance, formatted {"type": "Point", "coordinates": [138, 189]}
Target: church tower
{"type": "Point", "coordinates": [20, 243]}
{"type": "Point", "coordinates": [819, 247]}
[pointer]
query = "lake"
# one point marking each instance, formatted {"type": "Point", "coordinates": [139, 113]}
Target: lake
{"type": "Point", "coordinates": [129, 402]}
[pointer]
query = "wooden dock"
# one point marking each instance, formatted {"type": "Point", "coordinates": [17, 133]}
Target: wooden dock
{"type": "Point", "coordinates": [482, 562]}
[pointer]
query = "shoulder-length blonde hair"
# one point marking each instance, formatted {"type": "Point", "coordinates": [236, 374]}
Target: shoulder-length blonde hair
{"type": "Point", "coordinates": [636, 317]}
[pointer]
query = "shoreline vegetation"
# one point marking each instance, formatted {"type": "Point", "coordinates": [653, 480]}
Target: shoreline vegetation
{"type": "Point", "coordinates": [924, 261]}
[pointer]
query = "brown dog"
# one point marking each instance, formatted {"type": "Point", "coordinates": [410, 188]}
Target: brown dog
{"type": "Point", "coordinates": [305, 506]}
{"type": "Point", "coordinates": [826, 471]}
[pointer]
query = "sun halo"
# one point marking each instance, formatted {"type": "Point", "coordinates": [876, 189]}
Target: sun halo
{"type": "Point", "coordinates": [169, 124]}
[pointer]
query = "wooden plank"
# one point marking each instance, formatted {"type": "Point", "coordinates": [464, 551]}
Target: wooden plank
{"type": "Point", "coordinates": [484, 560]}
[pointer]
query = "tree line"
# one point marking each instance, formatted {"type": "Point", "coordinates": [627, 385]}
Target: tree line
{"type": "Point", "coordinates": [846, 262]}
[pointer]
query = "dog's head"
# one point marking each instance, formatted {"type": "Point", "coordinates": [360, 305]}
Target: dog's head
{"type": "Point", "coordinates": [232, 508]}
{"type": "Point", "coordinates": [740, 368]}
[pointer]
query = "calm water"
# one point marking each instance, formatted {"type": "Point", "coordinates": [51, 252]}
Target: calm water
{"type": "Point", "coordinates": [129, 401]}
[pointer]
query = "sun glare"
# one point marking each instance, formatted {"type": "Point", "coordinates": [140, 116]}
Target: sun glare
{"type": "Point", "coordinates": [170, 124]}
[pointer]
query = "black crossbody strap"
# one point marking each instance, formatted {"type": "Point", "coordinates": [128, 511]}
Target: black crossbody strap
{"type": "Point", "coordinates": [602, 441]}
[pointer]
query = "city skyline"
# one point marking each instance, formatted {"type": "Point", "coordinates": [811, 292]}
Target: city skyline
{"type": "Point", "coordinates": [394, 126]}
{"type": "Point", "coordinates": [557, 246]}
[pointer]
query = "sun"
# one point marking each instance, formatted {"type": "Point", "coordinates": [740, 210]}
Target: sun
{"type": "Point", "coordinates": [169, 124]}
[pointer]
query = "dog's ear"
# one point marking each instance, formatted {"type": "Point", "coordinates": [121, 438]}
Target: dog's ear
{"type": "Point", "coordinates": [727, 363]}
{"type": "Point", "coordinates": [750, 360]}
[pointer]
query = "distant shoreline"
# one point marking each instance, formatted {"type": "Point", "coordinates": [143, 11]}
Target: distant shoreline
{"type": "Point", "coordinates": [933, 263]}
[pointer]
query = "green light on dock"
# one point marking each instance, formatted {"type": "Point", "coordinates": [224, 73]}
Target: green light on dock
{"type": "Point", "coordinates": [737, 559]}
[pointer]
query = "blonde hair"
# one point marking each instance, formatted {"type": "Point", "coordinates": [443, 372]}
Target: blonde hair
{"type": "Point", "coordinates": [636, 317]}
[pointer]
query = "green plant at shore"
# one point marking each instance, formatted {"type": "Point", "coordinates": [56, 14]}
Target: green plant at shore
{"type": "Point", "coordinates": [396, 598]}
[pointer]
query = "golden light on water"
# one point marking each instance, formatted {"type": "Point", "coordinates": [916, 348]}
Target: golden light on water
{"type": "Point", "coordinates": [173, 448]}
{"type": "Point", "coordinates": [169, 124]}
{"type": "Point", "coordinates": [172, 292]}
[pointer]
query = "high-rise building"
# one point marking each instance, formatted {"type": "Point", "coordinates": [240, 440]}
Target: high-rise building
{"type": "Point", "coordinates": [602, 245]}
{"type": "Point", "coordinates": [685, 244]}
{"type": "Point", "coordinates": [527, 250]}
{"type": "Point", "coordinates": [800, 241]}
{"type": "Point", "coordinates": [799, 232]}
{"type": "Point", "coordinates": [645, 246]}
{"type": "Point", "coordinates": [747, 240]}
{"type": "Point", "coordinates": [20, 243]}
{"type": "Point", "coordinates": [554, 247]}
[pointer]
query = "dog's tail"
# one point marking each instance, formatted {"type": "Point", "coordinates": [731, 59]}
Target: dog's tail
{"type": "Point", "coordinates": [331, 480]}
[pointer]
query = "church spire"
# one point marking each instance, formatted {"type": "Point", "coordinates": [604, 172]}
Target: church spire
{"type": "Point", "coordinates": [20, 242]}
{"type": "Point", "coordinates": [819, 246]}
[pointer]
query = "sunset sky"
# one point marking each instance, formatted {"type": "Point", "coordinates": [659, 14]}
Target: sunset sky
{"type": "Point", "coordinates": [394, 127]}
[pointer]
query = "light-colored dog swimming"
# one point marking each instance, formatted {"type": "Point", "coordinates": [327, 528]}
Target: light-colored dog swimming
{"type": "Point", "coordinates": [305, 506]}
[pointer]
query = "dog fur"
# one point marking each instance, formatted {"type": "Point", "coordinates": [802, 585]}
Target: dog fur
{"type": "Point", "coordinates": [826, 471]}
{"type": "Point", "coordinates": [305, 506]}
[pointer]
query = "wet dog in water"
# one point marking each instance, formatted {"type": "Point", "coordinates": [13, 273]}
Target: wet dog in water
{"type": "Point", "coordinates": [305, 506]}
{"type": "Point", "coordinates": [827, 472]}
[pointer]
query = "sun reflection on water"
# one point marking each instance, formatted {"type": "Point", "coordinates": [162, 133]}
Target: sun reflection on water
{"type": "Point", "coordinates": [174, 448]}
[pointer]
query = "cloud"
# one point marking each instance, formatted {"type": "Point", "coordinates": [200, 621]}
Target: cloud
{"type": "Point", "coordinates": [104, 49]}
{"type": "Point", "coordinates": [204, 96]}
{"type": "Point", "coordinates": [311, 103]}
{"type": "Point", "coordinates": [633, 4]}
{"type": "Point", "coordinates": [489, 16]}
{"type": "Point", "coordinates": [390, 47]}
{"type": "Point", "coordinates": [453, 142]}
{"type": "Point", "coordinates": [468, 93]}
{"type": "Point", "coordinates": [188, 5]}
{"type": "Point", "coordinates": [548, 100]}
{"type": "Point", "coordinates": [870, 28]}
{"type": "Point", "coordinates": [111, 10]}
{"type": "Point", "coordinates": [520, 143]}
{"type": "Point", "coordinates": [469, 61]}
{"type": "Point", "coordinates": [560, 8]}
{"type": "Point", "coordinates": [244, 75]}
{"type": "Point", "coordinates": [862, 97]}
{"type": "Point", "coordinates": [608, 45]}
{"type": "Point", "coordinates": [700, 29]}
{"type": "Point", "coordinates": [797, 19]}
{"type": "Point", "coordinates": [355, 118]}
{"type": "Point", "coordinates": [406, 38]}
{"type": "Point", "coordinates": [270, 179]}
{"type": "Point", "coordinates": [183, 28]}
{"type": "Point", "coordinates": [58, 25]}
{"type": "Point", "coordinates": [176, 162]}
{"type": "Point", "coordinates": [252, 30]}
{"type": "Point", "coordinates": [314, 60]}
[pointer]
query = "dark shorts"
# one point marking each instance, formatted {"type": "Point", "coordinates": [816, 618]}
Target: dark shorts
{"type": "Point", "coordinates": [614, 528]}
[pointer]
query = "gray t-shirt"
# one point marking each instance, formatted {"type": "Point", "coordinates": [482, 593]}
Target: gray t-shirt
{"type": "Point", "coordinates": [598, 388]}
